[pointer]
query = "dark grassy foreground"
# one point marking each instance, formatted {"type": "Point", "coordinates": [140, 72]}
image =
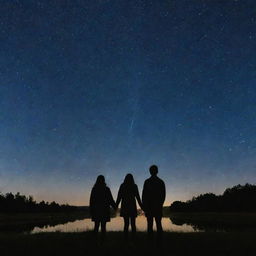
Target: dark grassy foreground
{"type": "Point", "coordinates": [172, 244]}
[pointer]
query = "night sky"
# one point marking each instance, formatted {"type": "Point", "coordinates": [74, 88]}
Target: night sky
{"type": "Point", "coordinates": [91, 87]}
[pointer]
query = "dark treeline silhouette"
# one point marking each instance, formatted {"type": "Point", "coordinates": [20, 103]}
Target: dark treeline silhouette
{"type": "Point", "coordinates": [10, 203]}
{"type": "Point", "coordinates": [240, 198]}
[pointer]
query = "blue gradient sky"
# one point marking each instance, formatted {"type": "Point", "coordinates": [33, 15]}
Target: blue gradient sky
{"type": "Point", "coordinates": [110, 87]}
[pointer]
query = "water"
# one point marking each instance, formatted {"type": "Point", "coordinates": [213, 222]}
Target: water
{"type": "Point", "coordinates": [116, 224]}
{"type": "Point", "coordinates": [194, 222]}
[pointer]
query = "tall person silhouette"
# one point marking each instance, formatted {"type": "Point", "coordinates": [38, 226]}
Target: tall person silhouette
{"type": "Point", "coordinates": [153, 196]}
{"type": "Point", "coordinates": [127, 195]}
{"type": "Point", "coordinates": [100, 201]}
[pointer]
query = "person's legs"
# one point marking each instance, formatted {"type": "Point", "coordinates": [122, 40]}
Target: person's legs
{"type": "Point", "coordinates": [103, 227]}
{"type": "Point", "coordinates": [96, 226]}
{"type": "Point", "coordinates": [159, 227]}
{"type": "Point", "coordinates": [159, 231]}
{"type": "Point", "coordinates": [133, 224]}
{"type": "Point", "coordinates": [126, 225]}
{"type": "Point", "coordinates": [150, 224]}
{"type": "Point", "coordinates": [103, 230]}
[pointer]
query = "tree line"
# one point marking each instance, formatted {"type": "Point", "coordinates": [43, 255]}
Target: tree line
{"type": "Point", "coordinates": [10, 203]}
{"type": "Point", "coordinates": [240, 198]}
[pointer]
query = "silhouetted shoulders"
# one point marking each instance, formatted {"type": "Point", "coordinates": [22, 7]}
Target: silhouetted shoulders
{"type": "Point", "coordinates": [122, 186]}
{"type": "Point", "coordinates": [161, 181]}
{"type": "Point", "coordinates": [108, 190]}
{"type": "Point", "coordinates": [147, 180]}
{"type": "Point", "coordinates": [100, 201]}
{"type": "Point", "coordinates": [153, 196]}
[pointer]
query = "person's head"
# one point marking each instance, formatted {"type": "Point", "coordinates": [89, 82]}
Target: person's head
{"type": "Point", "coordinates": [153, 169]}
{"type": "Point", "coordinates": [128, 180]}
{"type": "Point", "coordinates": [100, 181]}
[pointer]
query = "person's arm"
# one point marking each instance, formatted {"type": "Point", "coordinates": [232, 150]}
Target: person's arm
{"type": "Point", "coordinates": [91, 202]}
{"type": "Point", "coordinates": [145, 196]}
{"type": "Point", "coordinates": [119, 196]}
{"type": "Point", "coordinates": [137, 196]}
{"type": "Point", "coordinates": [111, 200]}
{"type": "Point", "coordinates": [163, 193]}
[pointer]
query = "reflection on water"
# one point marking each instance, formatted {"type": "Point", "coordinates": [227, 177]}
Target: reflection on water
{"type": "Point", "coordinates": [26, 226]}
{"type": "Point", "coordinates": [207, 222]}
{"type": "Point", "coordinates": [116, 224]}
{"type": "Point", "coordinates": [220, 223]}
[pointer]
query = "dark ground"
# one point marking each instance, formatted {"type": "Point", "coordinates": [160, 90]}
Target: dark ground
{"type": "Point", "coordinates": [216, 243]}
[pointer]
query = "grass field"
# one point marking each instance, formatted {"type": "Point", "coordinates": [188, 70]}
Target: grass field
{"type": "Point", "coordinates": [115, 244]}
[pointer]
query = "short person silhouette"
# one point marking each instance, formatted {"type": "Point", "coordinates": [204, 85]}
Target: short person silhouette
{"type": "Point", "coordinates": [100, 201]}
{"type": "Point", "coordinates": [127, 195]}
{"type": "Point", "coordinates": [153, 196]}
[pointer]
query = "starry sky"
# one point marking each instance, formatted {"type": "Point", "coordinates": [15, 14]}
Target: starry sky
{"type": "Point", "coordinates": [91, 87]}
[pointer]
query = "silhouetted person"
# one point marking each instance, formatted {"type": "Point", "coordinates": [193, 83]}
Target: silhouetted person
{"type": "Point", "coordinates": [153, 196]}
{"type": "Point", "coordinates": [100, 201]}
{"type": "Point", "coordinates": [127, 195]}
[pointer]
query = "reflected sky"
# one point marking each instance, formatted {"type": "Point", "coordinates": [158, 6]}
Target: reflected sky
{"type": "Point", "coordinates": [116, 224]}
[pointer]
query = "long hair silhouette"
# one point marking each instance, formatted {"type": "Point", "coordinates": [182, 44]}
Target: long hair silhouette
{"type": "Point", "coordinates": [129, 180]}
{"type": "Point", "coordinates": [100, 181]}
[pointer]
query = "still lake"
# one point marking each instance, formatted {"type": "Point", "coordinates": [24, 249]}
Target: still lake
{"type": "Point", "coordinates": [174, 222]}
{"type": "Point", "coordinates": [116, 224]}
